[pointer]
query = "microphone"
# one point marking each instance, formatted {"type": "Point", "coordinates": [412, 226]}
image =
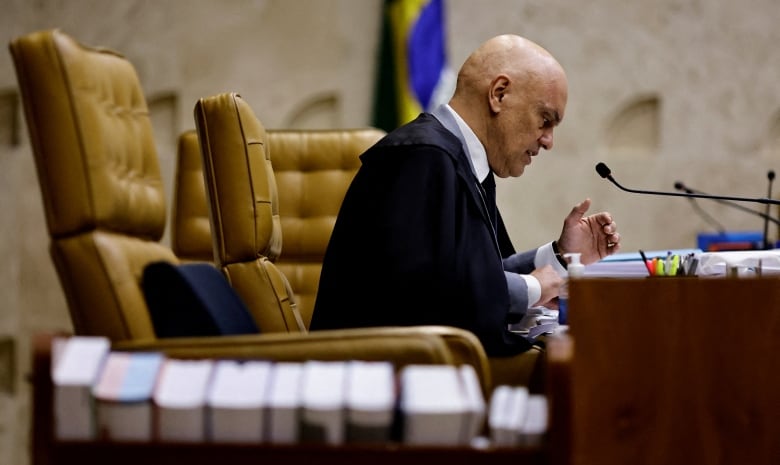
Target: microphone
{"type": "Point", "coordinates": [682, 187]}
{"type": "Point", "coordinates": [706, 216]}
{"type": "Point", "coordinates": [605, 172]}
{"type": "Point", "coordinates": [770, 175]}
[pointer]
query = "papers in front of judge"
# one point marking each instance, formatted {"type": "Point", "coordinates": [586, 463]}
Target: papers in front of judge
{"type": "Point", "coordinates": [630, 265]}
{"type": "Point", "coordinates": [744, 263]}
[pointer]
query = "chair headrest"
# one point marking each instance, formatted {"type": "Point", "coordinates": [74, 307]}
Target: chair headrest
{"type": "Point", "coordinates": [98, 165]}
{"type": "Point", "coordinates": [245, 207]}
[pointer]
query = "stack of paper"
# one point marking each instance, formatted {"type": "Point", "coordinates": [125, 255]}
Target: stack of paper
{"type": "Point", "coordinates": [630, 264]}
{"type": "Point", "coordinates": [517, 418]}
{"type": "Point", "coordinates": [508, 408]}
{"type": "Point", "coordinates": [180, 399]}
{"type": "Point", "coordinates": [433, 405]}
{"type": "Point", "coordinates": [323, 400]}
{"type": "Point", "coordinates": [237, 399]}
{"type": "Point", "coordinates": [76, 365]}
{"type": "Point", "coordinates": [744, 263]}
{"type": "Point", "coordinates": [123, 395]}
{"type": "Point", "coordinates": [284, 402]}
{"type": "Point", "coordinates": [475, 404]}
{"type": "Point", "coordinates": [534, 428]}
{"type": "Point", "coordinates": [370, 401]}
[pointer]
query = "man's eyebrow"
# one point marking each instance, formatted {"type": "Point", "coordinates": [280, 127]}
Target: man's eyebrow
{"type": "Point", "coordinates": [556, 117]}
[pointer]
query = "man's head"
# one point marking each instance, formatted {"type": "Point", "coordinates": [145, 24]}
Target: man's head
{"type": "Point", "coordinates": [512, 93]}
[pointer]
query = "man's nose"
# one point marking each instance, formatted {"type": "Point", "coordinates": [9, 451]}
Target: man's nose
{"type": "Point", "coordinates": [546, 140]}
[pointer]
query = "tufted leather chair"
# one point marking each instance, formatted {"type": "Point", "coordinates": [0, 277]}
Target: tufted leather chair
{"type": "Point", "coordinates": [313, 169]}
{"type": "Point", "coordinates": [190, 228]}
{"type": "Point", "coordinates": [99, 175]}
{"type": "Point", "coordinates": [244, 209]}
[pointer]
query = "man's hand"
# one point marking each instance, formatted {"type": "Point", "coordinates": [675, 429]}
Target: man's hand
{"type": "Point", "coordinates": [593, 236]}
{"type": "Point", "coordinates": [551, 284]}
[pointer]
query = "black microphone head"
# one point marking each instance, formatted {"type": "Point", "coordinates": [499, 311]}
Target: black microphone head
{"type": "Point", "coordinates": [682, 187]}
{"type": "Point", "coordinates": [770, 175]}
{"type": "Point", "coordinates": [603, 170]}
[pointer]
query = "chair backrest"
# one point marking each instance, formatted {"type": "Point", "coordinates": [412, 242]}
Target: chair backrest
{"type": "Point", "coordinates": [243, 209]}
{"type": "Point", "coordinates": [313, 169]}
{"type": "Point", "coordinates": [190, 227]}
{"type": "Point", "coordinates": [99, 176]}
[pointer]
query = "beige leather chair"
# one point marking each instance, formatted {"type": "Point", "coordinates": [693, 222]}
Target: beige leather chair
{"type": "Point", "coordinates": [244, 210]}
{"type": "Point", "coordinates": [190, 227]}
{"type": "Point", "coordinates": [313, 169]}
{"type": "Point", "coordinates": [99, 175]}
{"type": "Point", "coordinates": [102, 192]}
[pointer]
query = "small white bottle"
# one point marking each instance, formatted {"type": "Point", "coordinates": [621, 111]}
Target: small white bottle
{"type": "Point", "coordinates": [575, 270]}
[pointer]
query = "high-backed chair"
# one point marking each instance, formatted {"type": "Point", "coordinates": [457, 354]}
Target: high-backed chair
{"type": "Point", "coordinates": [190, 228]}
{"type": "Point", "coordinates": [103, 198]}
{"type": "Point", "coordinates": [313, 169]}
{"type": "Point", "coordinates": [99, 175]}
{"type": "Point", "coordinates": [244, 209]}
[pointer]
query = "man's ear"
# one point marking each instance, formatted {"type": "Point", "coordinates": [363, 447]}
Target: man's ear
{"type": "Point", "coordinates": [497, 90]}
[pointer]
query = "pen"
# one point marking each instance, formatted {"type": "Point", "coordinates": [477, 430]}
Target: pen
{"type": "Point", "coordinates": [694, 264]}
{"type": "Point", "coordinates": [675, 265]}
{"type": "Point", "coordinates": [658, 266]}
{"type": "Point", "coordinates": [646, 262]}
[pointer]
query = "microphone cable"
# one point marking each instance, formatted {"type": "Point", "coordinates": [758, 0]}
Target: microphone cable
{"type": "Point", "coordinates": [770, 175]}
{"type": "Point", "coordinates": [706, 216]}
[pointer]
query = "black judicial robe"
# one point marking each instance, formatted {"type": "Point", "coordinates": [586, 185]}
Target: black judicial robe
{"type": "Point", "coordinates": [413, 244]}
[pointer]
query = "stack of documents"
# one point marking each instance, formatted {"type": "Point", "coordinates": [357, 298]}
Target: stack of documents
{"type": "Point", "coordinates": [630, 265]}
{"type": "Point", "coordinates": [743, 262]}
{"type": "Point", "coordinates": [517, 418]}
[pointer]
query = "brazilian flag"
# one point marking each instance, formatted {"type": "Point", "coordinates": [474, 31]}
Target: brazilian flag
{"type": "Point", "coordinates": [413, 74]}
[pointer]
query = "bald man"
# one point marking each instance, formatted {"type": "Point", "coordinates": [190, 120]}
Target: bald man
{"type": "Point", "coordinates": [419, 240]}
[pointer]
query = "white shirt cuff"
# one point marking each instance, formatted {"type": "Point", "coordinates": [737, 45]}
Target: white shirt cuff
{"type": "Point", "coordinates": [534, 288]}
{"type": "Point", "coordinates": [545, 255]}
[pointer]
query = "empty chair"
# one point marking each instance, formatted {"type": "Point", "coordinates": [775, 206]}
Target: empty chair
{"type": "Point", "coordinates": [99, 175]}
{"type": "Point", "coordinates": [190, 228]}
{"type": "Point", "coordinates": [244, 211]}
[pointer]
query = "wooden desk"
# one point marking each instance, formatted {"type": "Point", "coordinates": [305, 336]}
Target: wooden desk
{"type": "Point", "coordinates": [668, 371]}
{"type": "Point", "coordinates": [47, 451]}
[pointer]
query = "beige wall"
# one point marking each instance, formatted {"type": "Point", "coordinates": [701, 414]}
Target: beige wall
{"type": "Point", "coordinates": [661, 91]}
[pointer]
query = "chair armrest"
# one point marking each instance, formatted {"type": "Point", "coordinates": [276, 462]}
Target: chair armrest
{"type": "Point", "coordinates": [466, 349]}
{"type": "Point", "coordinates": [524, 369]}
{"type": "Point", "coordinates": [400, 345]}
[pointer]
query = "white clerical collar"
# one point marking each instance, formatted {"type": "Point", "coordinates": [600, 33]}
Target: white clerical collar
{"type": "Point", "coordinates": [474, 148]}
